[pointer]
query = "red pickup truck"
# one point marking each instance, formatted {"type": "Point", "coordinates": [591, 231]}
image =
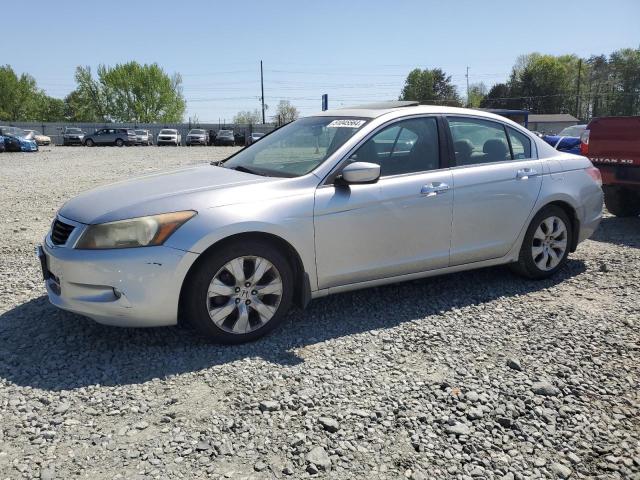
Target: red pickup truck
{"type": "Point", "coordinates": [613, 145]}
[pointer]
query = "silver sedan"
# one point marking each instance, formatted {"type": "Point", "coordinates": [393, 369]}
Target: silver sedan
{"type": "Point", "coordinates": [342, 200]}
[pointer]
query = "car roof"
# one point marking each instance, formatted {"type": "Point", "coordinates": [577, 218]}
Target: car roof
{"type": "Point", "coordinates": [409, 108]}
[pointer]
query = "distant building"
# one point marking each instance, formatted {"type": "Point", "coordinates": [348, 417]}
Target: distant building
{"type": "Point", "coordinates": [551, 123]}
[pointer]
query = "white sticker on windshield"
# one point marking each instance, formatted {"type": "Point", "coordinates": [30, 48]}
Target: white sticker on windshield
{"type": "Point", "coordinates": [346, 123]}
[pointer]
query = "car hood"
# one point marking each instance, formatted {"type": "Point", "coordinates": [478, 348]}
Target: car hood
{"type": "Point", "coordinates": [185, 189]}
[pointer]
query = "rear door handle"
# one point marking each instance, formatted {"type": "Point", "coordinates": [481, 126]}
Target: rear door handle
{"type": "Point", "coordinates": [432, 189]}
{"type": "Point", "coordinates": [525, 173]}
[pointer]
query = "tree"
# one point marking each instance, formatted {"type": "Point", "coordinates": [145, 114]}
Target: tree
{"type": "Point", "coordinates": [430, 86]}
{"type": "Point", "coordinates": [498, 97]}
{"type": "Point", "coordinates": [248, 117]}
{"type": "Point", "coordinates": [89, 98]}
{"type": "Point", "coordinates": [477, 92]}
{"type": "Point", "coordinates": [285, 112]}
{"type": "Point", "coordinates": [20, 98]}
{"type": "Point", "coordinates": [541, 84]}
{"type": "Point", "coordinates": [624, 66]}
{"type": "Point", "coordinates": [50, 109]}
{"type": "Point", "coordinates": [130, 92]}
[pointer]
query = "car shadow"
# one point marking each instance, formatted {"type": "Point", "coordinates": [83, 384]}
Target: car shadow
{"type": "Point", "coordinates": [46, 348]}
{"type": "Point", "coordinates": [619, 231]}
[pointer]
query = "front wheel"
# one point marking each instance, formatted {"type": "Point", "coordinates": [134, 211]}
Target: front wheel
{"type": "Point", "coordinates": [546, 243]}
{"type": "Point", "coordinates": [89, 143]}
{"type": "Point", "coordinates": [239, 293]}
{"type": "Point", "coordinates": [119, 142]}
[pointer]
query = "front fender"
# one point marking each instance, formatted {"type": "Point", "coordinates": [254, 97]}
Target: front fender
{"type": "Point", "coordinates": [289, 219]}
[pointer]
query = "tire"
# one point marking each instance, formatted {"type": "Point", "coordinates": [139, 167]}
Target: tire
{"type": "Point", "coordinates": [217, 317]}
{"type": "Point", "coordinates": [543, 253]}
{"type": "Point", "coordinates": [119, 142]}
{"type": "Point", "coordinates": [90, 143]}
{"type": "Point", "coordinates": [622, 202]}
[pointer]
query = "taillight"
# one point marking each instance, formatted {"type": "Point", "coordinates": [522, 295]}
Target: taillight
{"type": "Point", "coordinates": [594, 173]}
{"type": "Point", "coordinates": [584, 143]}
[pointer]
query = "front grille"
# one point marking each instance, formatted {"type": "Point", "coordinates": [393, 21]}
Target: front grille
{"type": "Point", "coordinates": [60, 232]}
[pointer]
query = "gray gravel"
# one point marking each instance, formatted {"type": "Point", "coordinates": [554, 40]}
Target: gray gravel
{"type": "Point", "coordinates": [468, 376]}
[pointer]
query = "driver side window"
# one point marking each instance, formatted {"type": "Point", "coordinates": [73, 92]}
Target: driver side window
{"type": "Point", "coordinates": [408, 146]}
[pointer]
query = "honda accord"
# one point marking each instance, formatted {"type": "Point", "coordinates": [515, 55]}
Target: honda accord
{"type": "Point", "coordinates": [341, 200]}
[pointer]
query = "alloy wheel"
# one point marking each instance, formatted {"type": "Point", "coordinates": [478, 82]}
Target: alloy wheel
{"type": "Point", "coordinates": [244, 294]}
{"type": "Point", "coordinates": [549, 243]}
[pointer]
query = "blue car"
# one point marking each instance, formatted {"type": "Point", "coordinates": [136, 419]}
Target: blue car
{"type": "Point", "coordinates": [568, 140]}
{"type": "Point", "coordinates": [15, 140]}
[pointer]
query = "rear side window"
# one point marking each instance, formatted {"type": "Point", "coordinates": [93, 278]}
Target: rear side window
{"type": "Point", "coordinates": [520, 144]}
{"type": "Point", "coordinates": [478, 141]}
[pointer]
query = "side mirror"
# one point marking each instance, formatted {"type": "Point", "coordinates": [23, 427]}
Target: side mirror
{"type": "Point", "coordinates": [360, 172]}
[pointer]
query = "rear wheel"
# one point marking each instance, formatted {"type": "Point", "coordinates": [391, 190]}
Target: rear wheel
{"type": "Point", "coordinates": [239, 293]}
{"type": "Point", "coordinates": [119, 142]}
{"type": "Point", "coordinates": [545, 246]}
{"type": "Point", "coordinates": [622, 202]}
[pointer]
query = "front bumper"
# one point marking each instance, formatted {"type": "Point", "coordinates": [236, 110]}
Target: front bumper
{"type": "Point", "coordinates": [29, 147]}
{"type": "Point", "coordinates": [132, 287]}
{"type": "Point", "coordinates": [196, 141]}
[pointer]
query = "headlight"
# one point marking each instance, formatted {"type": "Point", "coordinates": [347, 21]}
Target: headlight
{"type": "Point", "coordinates": [134, 232]}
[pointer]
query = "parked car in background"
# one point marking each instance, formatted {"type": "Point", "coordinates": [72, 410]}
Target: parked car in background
{"type": "Point", "coordinates": [38, 137]}
{"type": "Point", "coordinates": [143, 137]}
{"type": "Point", "coordinates": [111, 136]}
{"type": "Point", "coordinates": [239, 139]}
{"type": "Point", "coordinates": [323, 205]}
{"type": "Point", "coordinates": [2, 147]}
{"type": "Point", "coordinates": [225, 138]}
{"type": "Point", "coordinates": [197, 136]}
{"type": "Point", "coordinates": [169, 136]}
{"type": "Point", "coordinates": [17, 140]}
{"type": "Point", "coordinates": [613, 145]}
{"type": "Point", "coordinates": [72, 136]}
{"type": "Point", "coordinates": [254, 137]}
{"type": "Point", "coordinates": [568, 140]}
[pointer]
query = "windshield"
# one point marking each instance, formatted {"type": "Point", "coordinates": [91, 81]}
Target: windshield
{"type": "Point", "coordinates": [74, 130]}
{"type": "Point", "coordinates": [140, 132]}
{"type": "Point", "coordinates": [573, 131]}
{"type": "Point", "coordinates": [196, 132]}
{"type": "Point", "coordinates": [297, 148]}
{"type": "Point", "coordinates": [169, 132]}
{"type": "Point", "coordinates": [12, 132]}
{"type": "Point", "coordinates": [225, 133]}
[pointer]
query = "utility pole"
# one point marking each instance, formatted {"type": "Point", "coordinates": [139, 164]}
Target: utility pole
{"type": "Point", "coordinates": [578, 89]}
{"type": "Point", "coordinates": [467, 75]}
{"type": "Point", "coordinates": [262, 91]}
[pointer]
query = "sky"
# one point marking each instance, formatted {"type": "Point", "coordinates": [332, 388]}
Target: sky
{"type": "Point", "coordinates": [356, 51]}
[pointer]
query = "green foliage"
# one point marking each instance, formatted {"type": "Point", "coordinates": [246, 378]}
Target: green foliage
{"type": "Point", "coordinates": [430, 86]}
{"type": "Point", "coordinates": [477, 92]}
{"type": "Point", "coordinates": [549, 84]}
{"type": "Point", "coordinates": [128, 92]}
{"type": "Point", "coordinates": [286, 112]}
{"type": "Point", "coordinates": [22, 100]}
{"type": "Point", "coordinates": [248, 117]}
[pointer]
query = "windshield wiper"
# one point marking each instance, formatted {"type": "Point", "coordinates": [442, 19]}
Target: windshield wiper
{"type": "Point", "coordinates": [241, 168]}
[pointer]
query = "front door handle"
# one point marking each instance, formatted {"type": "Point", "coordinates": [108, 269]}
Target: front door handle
{"type": "Point", "coordinates": [525, 173]}
{"type": "Point", "coordinates": [432, 189]}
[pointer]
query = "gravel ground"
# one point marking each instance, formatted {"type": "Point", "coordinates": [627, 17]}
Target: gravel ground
{"type": "Point", "coordinates": [472, 375]}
